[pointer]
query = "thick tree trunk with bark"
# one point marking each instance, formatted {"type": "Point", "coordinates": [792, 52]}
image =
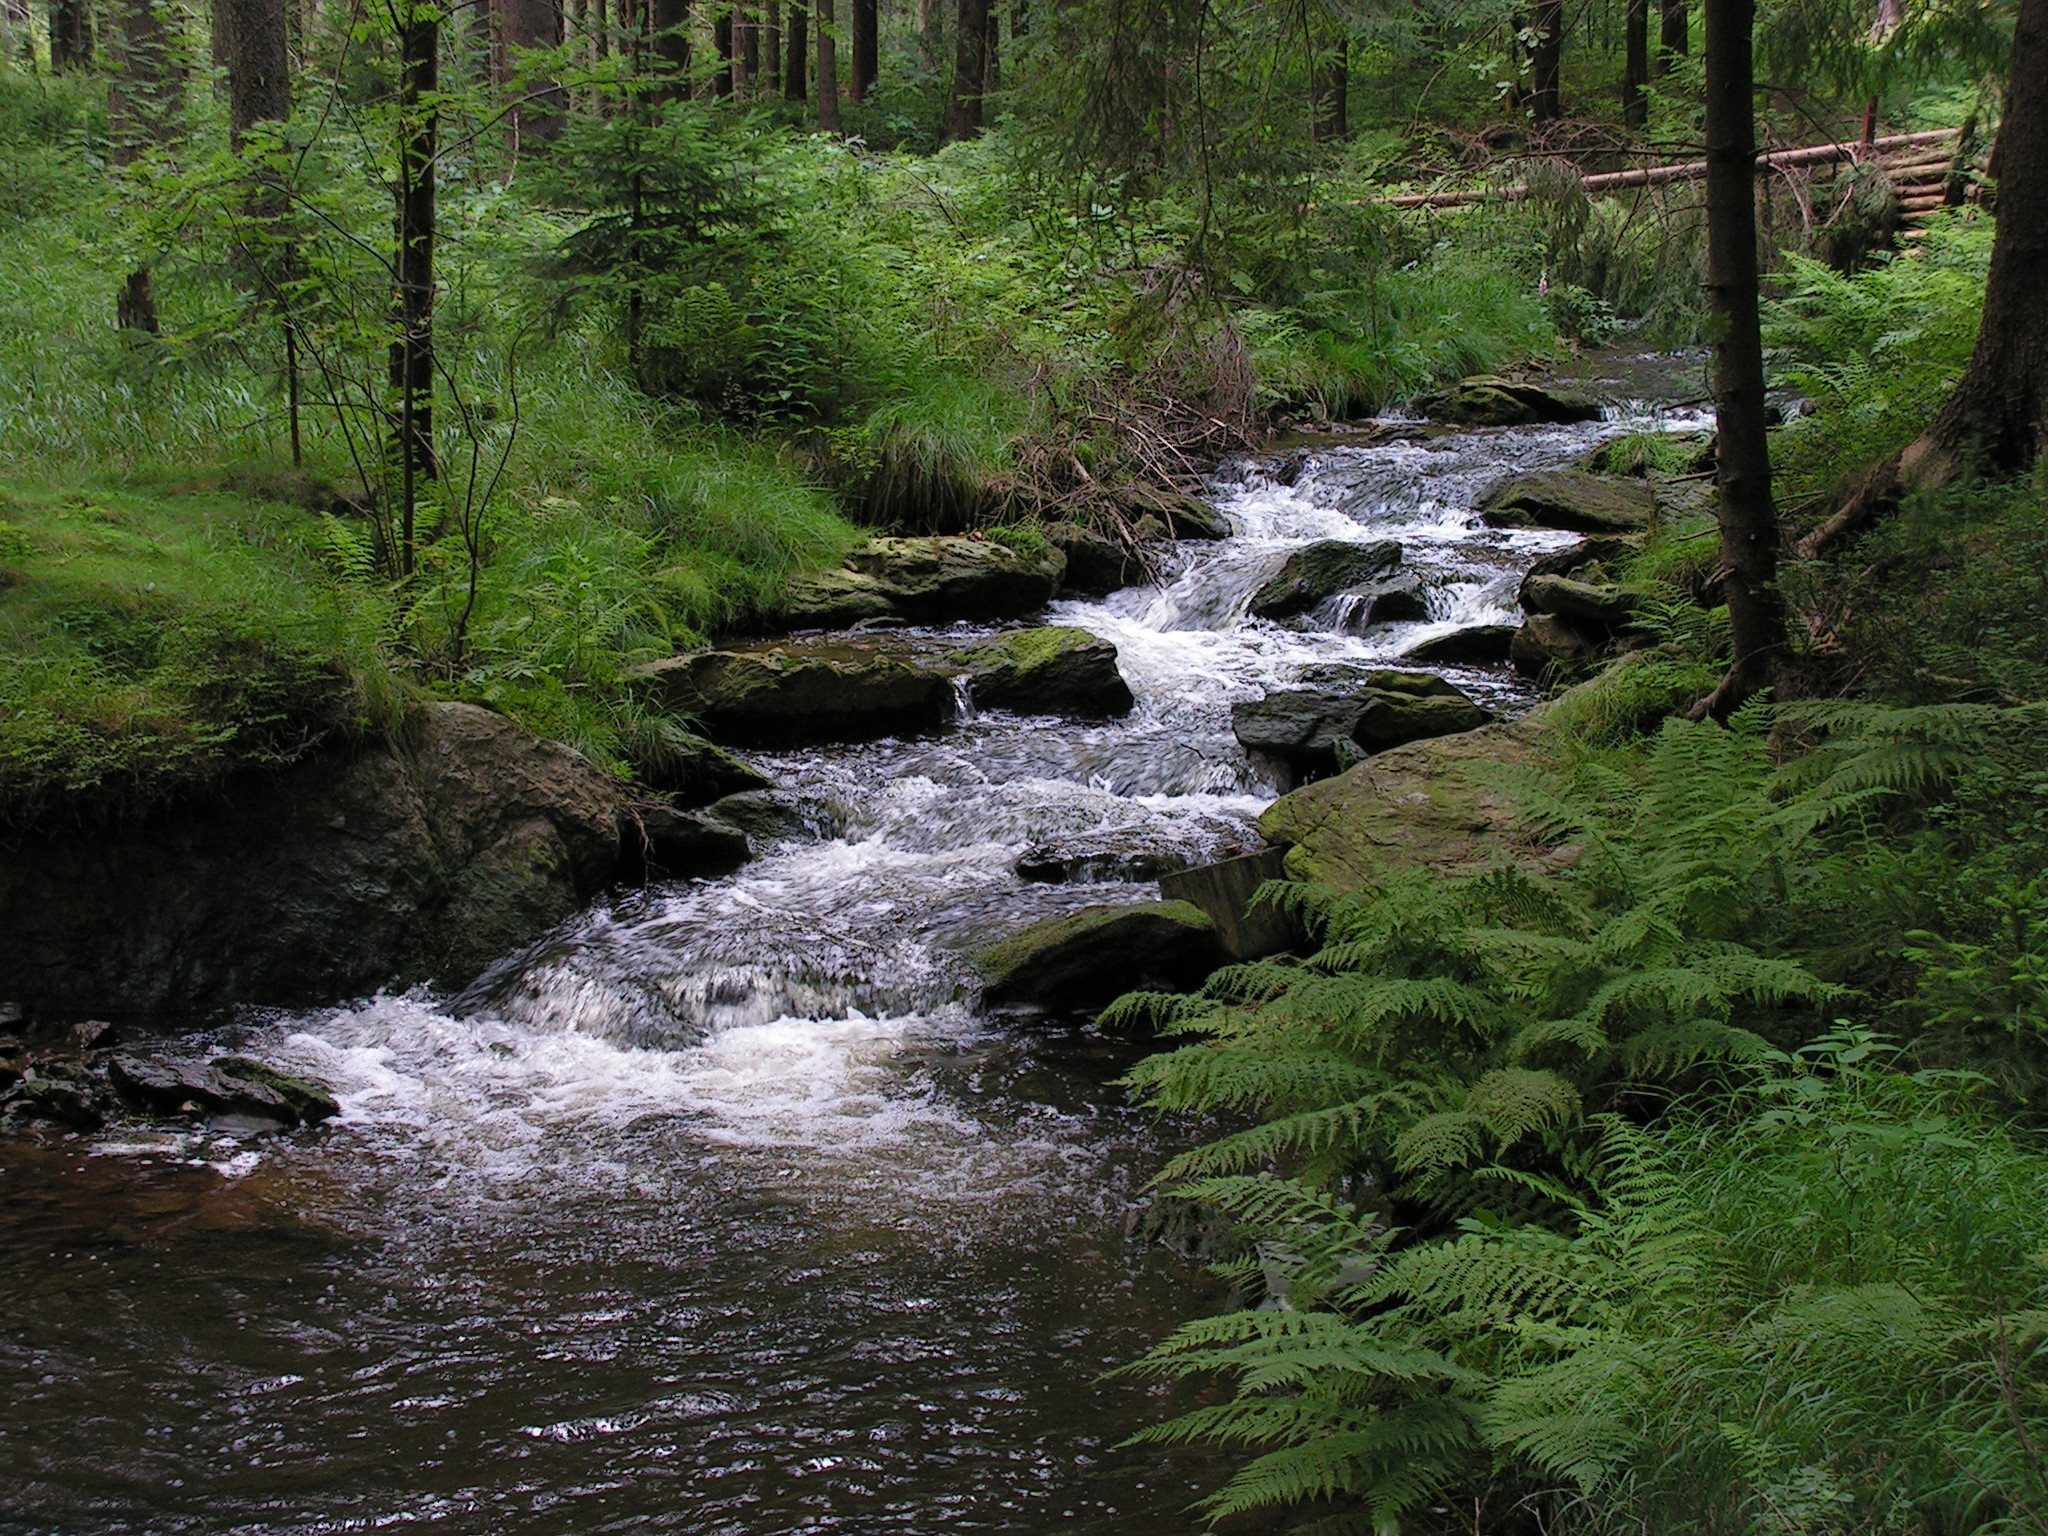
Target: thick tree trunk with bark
{"type": "Point", "coordinates": [963, 109]}
{"type": "Point", "coordinates": [992, 55]}
{"type": "Point", "coordinates": [70, 35]}
{"type": "Point", "coordinates": [671, 23]}
{"type": "Point", "coordinates": [1546, 61]}
{"type": "Point", "coordinates": [1674, 33]}
{"type": "Point", "coordinates": [771, 49]}
{"type": "Point", "coordinates": [828, 69]}
{"type": "Point", "coordinates": [747, 44]}
{"type": "Point", "coordinates": [259, 79]}
{"type": "Point", "coordinates": [927, 37]}
{"type": "Point", "coordinates": [1635, 75]}
{"type": "Point", "coordinates": [867, 28]}
{"type": "Point", "coordinates": [797, 57]}
{"type": "Point", "coordinates": [1747, 514]}
{"type": "Point", "coordinates": [1996, 418]}
{"type": "Point", "coordinates": [534, 109]}
{"type": "Point", "coordinates": [412, 303]}
{"type": "Point", "coordinates": [142, 114]}
{"type": "Point", "coordinates": [721, 39]}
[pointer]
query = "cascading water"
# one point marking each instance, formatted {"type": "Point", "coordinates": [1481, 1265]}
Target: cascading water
{"type": "Point", "coordinates": [722, 1210]}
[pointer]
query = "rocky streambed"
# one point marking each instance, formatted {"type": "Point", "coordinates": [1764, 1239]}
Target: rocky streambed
{"type": "Point", "coordinates": [782, 1196]}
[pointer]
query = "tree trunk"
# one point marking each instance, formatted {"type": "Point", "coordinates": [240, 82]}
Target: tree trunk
{"type": "Point", "coordinates": [963, 110]}
{"type": "Point", "coordinates": [992, 54]}
{"type": "Point", "coordinates": [220, 39]}
{"type": "Point", "coordinates": [867, 26]}
{"type": "Point", "coordinates": [535, 105]}
{"type": "Point", "coordinates": [1674, 33]}
{"type": "Point", "coordinates": [671, 22]}
{"type": "Point", "coordinates": [142, 114]}
{"type": "Point", "coordinates": [927, 38]}
{"type": "Point", "coordinates": [412, 304]}
{"type": "Point", "coordinates": [70, 35]}
{"type": "Point", "coordinates": [721, 39]}
{"type": "Point", "coordinates": [771, 50]}
{"type": "Point", "coordinates": [1996, 418]}
{"type": "Point", "coordinates": [1635, 105]}
{"type": "Point", "coordinates": [1546, 92]}
{"type": "Point", "coordinates": [748, 45]}
{"type": "Point", "coordinates": [797, 56]}
{"type": "Point", "coordinates": [1332, 107]}
{"type": "Point", "coordinates": [1747, 515]}
{"type": "Point", "coordinates": [828, 69]}
{"type": "Point", "coordinates": [259, 79]}
{"type": "Point", "coordinates": [1020, 20]}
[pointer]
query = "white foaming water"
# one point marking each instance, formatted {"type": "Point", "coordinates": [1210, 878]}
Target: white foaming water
{"type": "Point", "coordinates": [797, 1003]}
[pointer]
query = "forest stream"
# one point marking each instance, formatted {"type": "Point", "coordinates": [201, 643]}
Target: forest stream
{"type": "Point", "coordinates": [724, 1210]}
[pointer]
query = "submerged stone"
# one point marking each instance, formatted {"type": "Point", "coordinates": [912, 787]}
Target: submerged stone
{"type": "Point", "coordinates": [1087, 959]}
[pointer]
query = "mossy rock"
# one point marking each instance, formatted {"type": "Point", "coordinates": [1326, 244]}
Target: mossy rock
{"type": "Point", "coordinates": [1051, 670]}
{"type": "Point", "coordinates": [801, 693]}
{"type": "Point", "coordinates": [1317, 572]}
{"type": "Point", "coordinates": [928, 580]}
{"type": "Point", "coordinates": [1586, 604]}
{"type": "Point", "coordinates": [1571, 500]}
{"type": "Point", "coordinates": [1316, 731]}
{"type": "Point", "coordinates": [1480, 646]}
{"type": "Point", "coordinates": [1485, 400]}
{"type": "Point", "coordinates": [690, 770]}
{"type": "Point", "coordinates": [1548, 645]}
{"type": "Point", "coordinates": [1087, 959]}
{"type": "Point", "coordinates": [1423, 805]}
{"type": "Point", "coordinates": [1097, 565]}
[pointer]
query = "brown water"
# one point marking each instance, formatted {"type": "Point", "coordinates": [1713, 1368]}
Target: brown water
{"type": "Point", "coordinates": [724, 1210]}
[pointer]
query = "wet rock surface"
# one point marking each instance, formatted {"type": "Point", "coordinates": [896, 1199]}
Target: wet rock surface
{"type": "Point", "coordinates": [690, 770]}
{"type": "Point", "coordinates": [1097, 565]}
{"type": "Point", "coordinates": [1319, 730]}
{"type": "Point", "coordinates": [1570, 500]}
{"type": "Point", "coordinates": [1317, 572]}
{"type": "Point", "coordinates": [1486, 400]}
{"type": "Point", "coordinates": [1479, 646]}
{"type": "Point", "coordinates": [927, 580]}
{"type": "Point", "coordinates": [1087, 959]}
{"type": "Point", "coordinates": [1053, 670]}
{"type": "Point", "coordinates": [49, 1082]}
{"type": "Point", "coordinates": [423, 859]}
{"type": "Point", "coordinates": [798, 693]}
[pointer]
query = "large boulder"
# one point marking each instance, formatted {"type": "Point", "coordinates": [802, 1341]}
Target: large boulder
{"type": "Point", "coordinates": [1087, 959]}
{"type": "Point", "coordinates": [1226, 890]}
{"type": "Point", "coordinates": [664, 842]}
{"type": "Point", "coordinates": [1097, 565]}
{"type": "Point", "coordinates": [1097, 857]}
{"type": "Point", "coordinates": [1053, 670]}
{"type": "Point", "coordinates": [1418, 806]}
{"type": "Point", "coordinates": [1317, 572]}
{"type": "Point", "coordinates": [422, 859]}
{"type": "Point", "coordinates": [1485, 400]}
{"type": "Point", "coordinates": [801, 693]}
{"type": "Point", "coordinates": [1599, 607]}
{"type": "Point", "coordinates": [1480, 646]}
{"type": "Point", "coordinates": [931, 580]}
{"type": "Point", "coordinates": [1547, 645]}
{"type": "Point", "coordinates": [1572, 500]}
{"type": "Point", "coordinates": [1316, 731]}
{"type": "Point", "coordinates": [1182, 516]}
{"type": "Point", "coordinates": [690, 770]}
{"type": "Point", "coordinates": [1589, 559]}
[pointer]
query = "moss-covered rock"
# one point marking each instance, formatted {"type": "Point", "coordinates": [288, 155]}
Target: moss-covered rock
{"type": "Point", "coordinates": [423, 859]}
{"type": "Point", "coordinates": [1097, 565]}
{"type": "Point", "coordinates": [1085, 960]}
{"type": "Point", "coordinates": [1480, 646]}
{"type": "Point", "coordinates": [1316, 731]}
{"type": "Point", "coordinates": [1183, 516]}
{"type": "Point", "coordinates": [1485, 400]}
{"type": "Point", "coordinates": [1570, 499]}
{"type": "Point", "coordinates": [1417, 806]}
{"type": "Point", "coordinates": [929, 580]}
{"type": "Point", "coordinates": [1596, 606]}
{"type": "Point", "coordinates": [1547, 645]}
{"type": "Point", "coordinates": [1316, 572]}
{"type": "Point", "coordinates": [1051, 670]}
{"type": "Point", "coordinates": [690, 770]}
{"type": "Point", "coordinates": [801, 693]}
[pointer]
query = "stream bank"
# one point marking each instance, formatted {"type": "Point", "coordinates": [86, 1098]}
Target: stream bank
{"type": "Point", "coordinates": [727, 1207]}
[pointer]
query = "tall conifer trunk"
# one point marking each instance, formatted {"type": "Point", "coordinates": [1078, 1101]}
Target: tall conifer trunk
{"type": "Point", "coordinates": [867, 63]}
{"type": "Point", "coordinates": [1546, 61]}
{"type": "Point", "coordinates": [1747, 514]}
{"type": "Point", "coordinates": [412, 345]}
{"type": "Point", "coordinates": [1674, 33]}
{"type": "Point", "coordinates": [143, 100]}
{"type": "Point", "coordinates": [797, 56]}
{"type": "Point", "coordinates": [828, 69]}
{"type": "Point", "coordinates": [963, 110]}
{"type": "Point", "coordinates": [1635, 105]}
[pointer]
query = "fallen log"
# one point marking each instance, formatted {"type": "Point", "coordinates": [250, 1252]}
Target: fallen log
{"type": "Point", "coordinates": [1691, 170]}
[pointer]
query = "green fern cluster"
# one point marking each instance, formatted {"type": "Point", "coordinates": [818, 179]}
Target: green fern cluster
{"type": "Point", "coordinates": [1484, 1268]}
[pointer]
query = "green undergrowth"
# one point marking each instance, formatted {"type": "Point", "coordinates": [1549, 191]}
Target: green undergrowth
{"type": "Point", "coordinates": [152, 642]}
